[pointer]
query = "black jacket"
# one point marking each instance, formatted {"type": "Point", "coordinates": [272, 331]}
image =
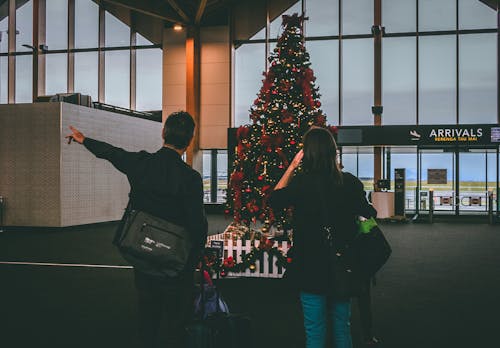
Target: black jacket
{"type": "Point", "coordinates": [163, 185]}
{"type": "Point", "coordinates": [318, 202]}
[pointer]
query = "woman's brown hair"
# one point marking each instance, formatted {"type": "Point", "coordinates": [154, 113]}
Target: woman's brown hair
{"type": "Point", "coordinates": [320, 153]}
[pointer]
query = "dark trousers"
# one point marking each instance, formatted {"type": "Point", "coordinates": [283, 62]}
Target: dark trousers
{"type": "Point", "coordinates": [165, 307]}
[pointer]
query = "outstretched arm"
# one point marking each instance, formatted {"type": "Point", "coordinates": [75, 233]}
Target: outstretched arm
{"type": "Point", "coordinates": [121, 159]}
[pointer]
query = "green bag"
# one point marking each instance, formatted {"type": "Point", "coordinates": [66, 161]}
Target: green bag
{"type": "Point", "coordinates": [366, 226]}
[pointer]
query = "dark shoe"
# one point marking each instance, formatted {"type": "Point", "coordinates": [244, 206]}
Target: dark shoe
{"type": "Point", "coordinates": [372, 342]}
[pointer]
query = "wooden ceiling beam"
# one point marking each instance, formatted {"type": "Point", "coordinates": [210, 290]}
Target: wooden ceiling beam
{"type": "Point", "coordinates": [201, 10]}
{"type": "Point", "coordinates": [146, 7]}
{"type": "Point", "coordinates": [179, 11]}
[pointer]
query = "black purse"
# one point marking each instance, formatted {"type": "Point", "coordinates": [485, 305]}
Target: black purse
{"type": "Point", "coordinates": [152, 243]}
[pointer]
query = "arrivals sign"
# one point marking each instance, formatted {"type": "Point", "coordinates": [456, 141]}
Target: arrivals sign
{"type": "Point", "coordinates": [439, 135]}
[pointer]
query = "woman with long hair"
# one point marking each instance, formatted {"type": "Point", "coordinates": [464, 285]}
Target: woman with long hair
{"type": "Point", "coordinates": [321, 195]}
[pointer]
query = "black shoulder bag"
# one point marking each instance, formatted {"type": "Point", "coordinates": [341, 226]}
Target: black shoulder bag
{"type": "Point", "coordinates": [345, 276]}
{"type": "Point", "coordinates": [153, 243]}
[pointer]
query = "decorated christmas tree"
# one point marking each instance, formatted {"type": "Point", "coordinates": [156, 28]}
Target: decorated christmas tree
{"type": "Point", "coordinates": [287, 105]}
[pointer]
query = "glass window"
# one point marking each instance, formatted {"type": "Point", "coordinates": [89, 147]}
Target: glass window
{"type": "Point", "coordinates": [56, 73]}
{"type": "Point", "coordinates": [357, 82]}
{"type": "Point", "coordinates": [324, 57]}
{"type": "Point", "coordinates": [437, 79]}
{"type": "Point", "coordinates": [221, 175]}
{"type": "Point", "coordinates": [148, 79]}
{"type": "Point", "coordinates": [323, 17]}
{"type": "Point", "coordinates": [478, 78]}
{"type": "Point", "coordinates": [86, 24]}
{"type": "Point", "coordinates": [24, 78]}
{"type": "Point", "coordinates": [57, 24]}
{"type": "Point", "coordinates": [117, 32]}
{"type": "Point", "coordinates": [437, 15]}
{"type": "Point", "coordinates": [207, 175]}
{"type": "Point", "coordinates": [4, 71]}
{"type": "Point", "coordinates": [366, 167]}
{"type": "Point", "coordinates": [141, 40]}
{"type": "Point", "coordinates": [24, 25]}
{"type": "Point", "coordinates": [86, 73]}
{"type": "Point", "coordinates": [117, 78]}
{"type": "Point", "coordinates": [249, 65]}
{"type": "Point", "coordinates": [474, 14]}
{"type": "Point", "coordinates": [399, 16]}
{"type": "Point", "coordinates": [349, 160]}
{"type": "Point", "coordinates": [492, 166]}
{"type": "Point", "coordinates": [357, 17]}
{"type": "Point", "coordinates": [4, 29]}
{"type": "Point", "coordinates": [399, 80]}
{"type": "Point", "coordinates": [275, 29]}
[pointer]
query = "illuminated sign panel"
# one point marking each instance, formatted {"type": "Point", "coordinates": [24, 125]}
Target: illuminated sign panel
{"type": "Point", "coordinates": [440, 135]}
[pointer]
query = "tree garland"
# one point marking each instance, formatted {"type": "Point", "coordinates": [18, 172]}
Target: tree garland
{"type": "Point", "coordinates": [215, 265]}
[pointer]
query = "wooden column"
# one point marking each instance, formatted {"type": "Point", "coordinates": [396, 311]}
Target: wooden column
{"type": "Point", "coordinates": [377, 88]}
{"type": "Point", "coordinates": [193, 62]}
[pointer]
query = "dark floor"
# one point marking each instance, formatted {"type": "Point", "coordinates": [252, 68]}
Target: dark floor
{"type": "Point", "coordinates": [441, 288]}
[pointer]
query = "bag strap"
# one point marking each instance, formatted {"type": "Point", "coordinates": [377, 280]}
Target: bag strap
{"type": "Point", "coordinates": [325, 221]}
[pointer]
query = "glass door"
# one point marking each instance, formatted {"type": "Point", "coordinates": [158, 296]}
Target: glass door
{"type": "Point", "coordinates": [473, 183]}
{"type": "Point", "coordinates": [437, 173]}
{"type": "Point", "coordinates": [461, 180]}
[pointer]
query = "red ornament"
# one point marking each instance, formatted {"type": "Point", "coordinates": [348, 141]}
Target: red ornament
{"type": "Point", "coordinates": [229, 262]}
{"type": "Point", "coordinates": [292, 142]}
{"type": "Point", "coordinates": [289, 260]}
{"type": "Point", "coordinates": [260, 178]}
{"type": "Point", "coordinates": [281, 166]}
{"type": "Point", "coordinates": [223, 273]}
{"type": "Point", "coordinates": [318, 103]}
{"type": "Point", "coordinates": [248, 190]}
{"type": "Point", "coordinates": [227, 211]}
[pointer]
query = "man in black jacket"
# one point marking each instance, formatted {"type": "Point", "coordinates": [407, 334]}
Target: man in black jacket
{"type": "Point", "coordinates": [163, 185]}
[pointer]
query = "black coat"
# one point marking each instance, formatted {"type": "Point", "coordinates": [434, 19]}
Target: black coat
{"type": "Point", "coordinates": [318, 202]}
{"type": "Point", "coordinates": [163, 185]}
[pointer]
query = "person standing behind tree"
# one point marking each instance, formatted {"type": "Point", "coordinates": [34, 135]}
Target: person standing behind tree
{"type": "Point", "coordinates": [162, 184]}
{"type": "Point", "coordinates": [344, 200]}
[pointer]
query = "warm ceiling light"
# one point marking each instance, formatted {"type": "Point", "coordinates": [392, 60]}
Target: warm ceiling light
{"type": "Point", "coordinates": [177, 27]}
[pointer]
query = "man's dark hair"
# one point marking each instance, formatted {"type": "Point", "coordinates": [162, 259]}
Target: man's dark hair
{"type": "Point", "coordinates": [178, 129]}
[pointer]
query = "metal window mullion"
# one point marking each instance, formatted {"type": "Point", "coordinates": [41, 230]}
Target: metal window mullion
{"type": "Point", "coordinates": [340, 63]}
{"type": "Point", "coordinates": [11, 89]}
{"type": "Point", "coordinates": [101, 58]}
{"type": "Point", "coordinates": [213, 176]}
{"type": "Point", "coordinates": [268, 29]}
{"type": "Point", "coordinates": [71, 46]}
{"type": "Point", "coordinates": [133, 69]}
{"type": "Point", "coordinates": [457, 72]}
{"type": "Point", "coordinates": [417, 69]}
{"type": "Point", "coordinates": [39, 38]}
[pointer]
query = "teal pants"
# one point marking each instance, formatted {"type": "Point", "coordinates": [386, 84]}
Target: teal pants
{"type": "Point", "coordinates": [317, 310]}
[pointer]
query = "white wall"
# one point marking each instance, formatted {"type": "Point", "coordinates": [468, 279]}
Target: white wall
{"type": "Point", "coordinates": [50, 183]}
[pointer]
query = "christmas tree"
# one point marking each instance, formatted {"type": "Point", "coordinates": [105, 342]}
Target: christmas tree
{"type": "Point", "coordinates": [287, 105]}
